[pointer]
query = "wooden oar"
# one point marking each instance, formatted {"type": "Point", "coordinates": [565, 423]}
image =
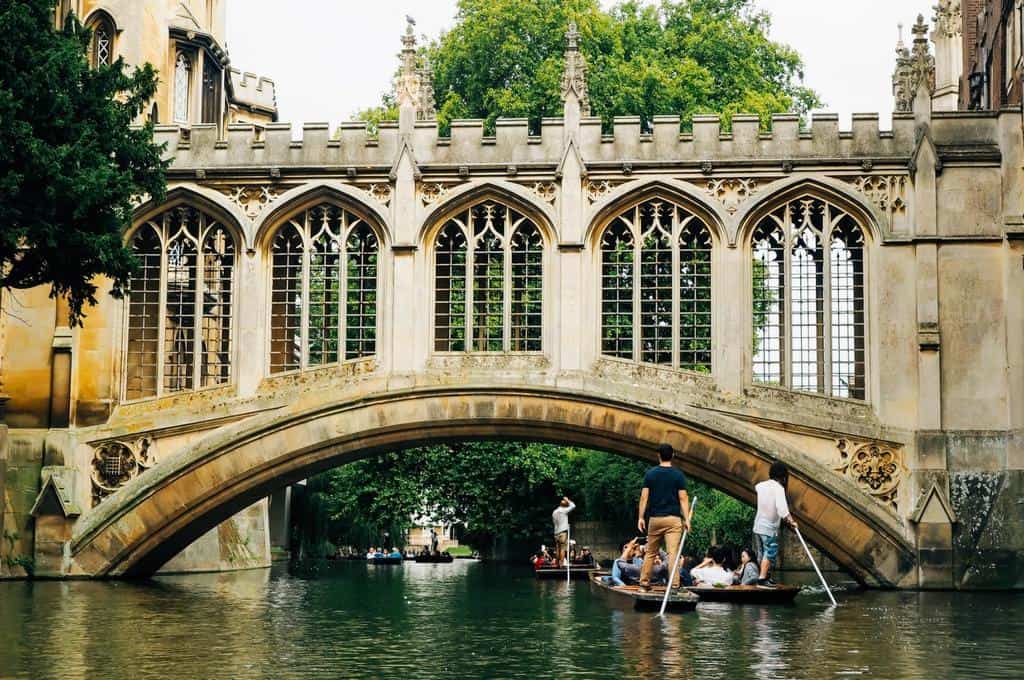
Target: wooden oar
{"type": "Point", "coordinates": [675, 565]}
{"type": "Point", "coordinates": [815, 565]}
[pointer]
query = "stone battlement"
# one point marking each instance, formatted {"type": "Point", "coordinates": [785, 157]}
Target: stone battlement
{"type": "Point", "coordinates": [973, 135]}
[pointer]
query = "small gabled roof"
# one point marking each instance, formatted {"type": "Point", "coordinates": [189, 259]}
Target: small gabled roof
{"type": "Point", "coordinates": [54, 497]}
{"type": "Point", "coordinates": [933, 495]}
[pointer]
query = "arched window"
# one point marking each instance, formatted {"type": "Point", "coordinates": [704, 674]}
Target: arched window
{"type": "Point", "coordinates": [182, 83]}
{"type": "Point", "coordinates": [324, 275]}
{"type": "Point", "coordinates": [808, 309]}
{"type": "Point", "coordinates": [660, 311]}
{"type": "Point", "coordinates": [102, 50]}
{"type": "Point", "coordinates": [488, 285]}
{"type": "Point", "coordinates": [180, 305]}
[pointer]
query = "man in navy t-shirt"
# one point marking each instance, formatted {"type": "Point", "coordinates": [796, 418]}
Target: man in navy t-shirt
{"type": "Point", "coordinates": [663, 507]}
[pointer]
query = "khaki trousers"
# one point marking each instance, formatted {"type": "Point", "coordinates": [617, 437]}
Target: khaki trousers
{"type": "Point", "coordinates": [659, 529]}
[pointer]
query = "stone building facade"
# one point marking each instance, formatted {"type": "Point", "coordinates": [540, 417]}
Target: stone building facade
{"type": "Point", "coordinates": [848, 301]}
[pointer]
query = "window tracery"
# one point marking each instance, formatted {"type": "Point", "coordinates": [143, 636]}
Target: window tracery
{"type": "Point", "coordinates": [324, 286]}
{"type": "Point", "coordinates": [656, 287]}
{"type": "Point", "coordinates": [808, 309]}
{"type": "Point", "coordinates": [180, 305]}
{"type": "Point", "coordinates": [102, 52]}
{"type": "Point", "coordinates": [488, 282]}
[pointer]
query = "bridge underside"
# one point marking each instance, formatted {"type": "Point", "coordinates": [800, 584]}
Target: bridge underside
{"type": "Point", "coordinates": [157, 514]}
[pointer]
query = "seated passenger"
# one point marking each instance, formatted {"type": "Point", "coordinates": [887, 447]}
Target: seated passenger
{"type": "Point", "coordinates": [371, 553]}
{"type": "Point", "coordinates": [711, 572]}
{"type": "Point", "coordinates": [625, 560]}
{"type": "Point", "coordinates": [586, 558]}
{"type": "Point", "coordinates": [746, 574]}
{"type": "Point", "coordinates": [395, 553]}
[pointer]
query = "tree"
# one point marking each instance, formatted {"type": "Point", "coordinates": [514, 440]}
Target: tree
{"type": "Point", "coordinates": [70, 161]}
{"type": "Point", "coordinates": [505, 58]}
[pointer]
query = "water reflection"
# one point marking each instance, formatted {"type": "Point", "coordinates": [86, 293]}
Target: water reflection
{"type": "Point", "coordinates": [468, 620]}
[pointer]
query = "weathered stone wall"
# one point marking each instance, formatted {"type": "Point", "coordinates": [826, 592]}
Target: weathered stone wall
{"type": "Point", "coordinates": [241, 542]}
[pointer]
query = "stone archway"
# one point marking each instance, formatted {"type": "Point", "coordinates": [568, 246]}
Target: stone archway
{"type": "Point", "coordinates": [163, 510]}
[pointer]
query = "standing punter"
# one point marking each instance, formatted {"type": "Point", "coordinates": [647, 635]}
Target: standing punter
{"type": "Point", "coordinates": [772, 510]}
{"type": "Point", "coordinates": [560, 518]}
{"type": "Point", "coordinates": [665, 502]}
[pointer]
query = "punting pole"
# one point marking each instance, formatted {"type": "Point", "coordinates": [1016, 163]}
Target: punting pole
{"type": "Point", "coordinates": [675, 565]}
{"type": "Point", "coordinates": [568, 555]}
{"type": "Point", "coordinates": [815, 565]}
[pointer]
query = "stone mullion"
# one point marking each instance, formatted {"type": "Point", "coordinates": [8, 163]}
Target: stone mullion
{"type": "Point", "coordinates": [786, 351]}
{"type": "Point", "coordinates": [468, 294]}
{"type": "Point", "coordinates": [827, 311]}
{"type": "Point", "coordinates": [197, 314]}
{"type": "Point", "coordinates": [342, 274]}
{"type": "Point", "coordinates": [307, 255]}
{"type": "Point", "coordinates": [506, 275]}
{"type": "Point", "coordinates": [638, 249]}
{"type": "Point", "coordinates": [162, 308]}
{"type": "Point", "coordinates": [677, 281]}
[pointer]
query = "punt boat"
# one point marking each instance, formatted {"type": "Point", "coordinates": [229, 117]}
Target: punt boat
{"type": "Point", "coordinates": [443, 558]}
{"type": "Point", "coordinates": [385, 560]}
{"type": "Point", "coordinates": [778, 594]}
{"type": "Point", "coordinates": [649, 601]}
{"type": "Point", "coordinates": [576, 573]}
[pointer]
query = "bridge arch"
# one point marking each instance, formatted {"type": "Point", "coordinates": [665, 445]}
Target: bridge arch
{"type": "Point", "coordinates": [159, 513]}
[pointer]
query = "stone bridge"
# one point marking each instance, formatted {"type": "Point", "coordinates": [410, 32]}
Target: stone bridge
{"type": "Point", "coordinates": [847, 301]}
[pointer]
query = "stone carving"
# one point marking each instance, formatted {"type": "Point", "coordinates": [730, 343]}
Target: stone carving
{"type": "Point", "coordinates": [597, 189]}
{"type": "Point", "coordinates": [915, 68]}
{"type": "Point", "coordinates": [574, 77]}
{"type": "Point", "coordinates": [432, 192]}
{"type": "Point", "coordinates": [252, 199]}
{"type": "Point", "coordinates": [380, 192]}
{"type": "Point", "coordinates": [888, 192]}
{"type": "Point", "coordinates": [414, 85]}
{"type": "Point", "coordinates": [515, 362]}
{"type": "Point", "coordinates": [545, 191]}
{"type": "Point", "coordinates": [948, 19]}
{"type": "Point", "coordinates": [731, 192]}
{"type": "Point", "coordinates": [876, 468]}
{"type": "Point", "coordinates": [115, 463]}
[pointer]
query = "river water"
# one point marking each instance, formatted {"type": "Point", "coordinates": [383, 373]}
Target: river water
{"type": "Point", "coordinates": [473, 620]}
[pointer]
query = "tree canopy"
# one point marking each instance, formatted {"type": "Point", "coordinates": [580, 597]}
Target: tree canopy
{"type": "Point", "coordinates": [504, 58]}
{"type": "Point", "coordinates": [70, 161]}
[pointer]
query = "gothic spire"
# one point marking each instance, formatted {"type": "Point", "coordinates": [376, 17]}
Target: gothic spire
{"type": "Point", "coordinates": [414, 87]}
{"type": "Point", "coordinates": [574, 78]}
{"type": "Point", "coordinates": [915, 68]}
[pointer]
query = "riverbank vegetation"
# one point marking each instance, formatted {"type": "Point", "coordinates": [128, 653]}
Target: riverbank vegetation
{"type": "Point", "coordinates": [492, 490]}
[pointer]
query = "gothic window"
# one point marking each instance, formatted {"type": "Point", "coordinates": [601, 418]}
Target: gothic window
{"type": "Point", "coordinates": [324, 275]}
{"type": "Point", "coordinates": [489, 274]}
{"type": "Point", "coordinates": [808, 299]}
{"type": "Point", "coordinates": [182, 82]}
{"type": "Point", "coordinates": [211, 92]}
{"type": "Point", "coordinates": [180, 305]}
{"type": "Point", "coordinates": [102, 51]}
{"type": "Point", "coordinates": [656, 287]}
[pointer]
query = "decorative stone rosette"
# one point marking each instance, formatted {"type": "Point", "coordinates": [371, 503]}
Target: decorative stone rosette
{"type": "Point", "coordinates": [877, 468]}
{"type": "Point", "coordinates": [115, 463]}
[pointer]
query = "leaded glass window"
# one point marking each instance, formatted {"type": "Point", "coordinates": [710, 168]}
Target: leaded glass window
{"type": "Point", "coordinates": [182, 84]}
{"type": "Point", "coordinates": [660, 311]}
{"type": "Point", "coordinates": [180, 305]}
{"type": "Point", "coordinates": [488, 285]}
{"type": "Point", "coordinates": [808, 309]}
{"type": "Point", "coordinates": [102, 43]}
{"type": "Point", "coordinates": [324, 267]}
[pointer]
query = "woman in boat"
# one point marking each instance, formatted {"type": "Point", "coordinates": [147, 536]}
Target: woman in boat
{"type": "Point", "coordinates": [747, 574]}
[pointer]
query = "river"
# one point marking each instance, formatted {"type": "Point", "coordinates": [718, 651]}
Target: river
{"type": "Point", "coordinates": [473, 620]}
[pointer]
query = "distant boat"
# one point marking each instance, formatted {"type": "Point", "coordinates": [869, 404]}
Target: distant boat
{"type": "Point", "coordinates": [387, 559]}
{"type": "Point", "coordinates": [779, 594]}
{"type": "Point", "coordinates": [443, 558]}
{"type": "Point", "coordinates": [576, 573]}
{"type": "Point", "coordinates": [648, 601]}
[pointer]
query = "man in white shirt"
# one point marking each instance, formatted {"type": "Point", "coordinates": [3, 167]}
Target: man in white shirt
{"type": "Point", "coordinates": [772, 510]}
{"type": "Point", "coordinates": [560, 518]}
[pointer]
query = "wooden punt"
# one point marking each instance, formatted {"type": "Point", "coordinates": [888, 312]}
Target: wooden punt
{"type": "Point", "coordinates": [780, 594]}
{"type": "Point", "coordinates": [385, 560]}
{"type": "Point", "coordinates": [443, 558]}
{"type": "Point", "coordinates": [576, 573]}
{"type": "Point", "coordinates": [649, 601]}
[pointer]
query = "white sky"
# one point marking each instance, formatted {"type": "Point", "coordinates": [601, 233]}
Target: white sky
{"type": "Point", "coordinates": [330, 58]}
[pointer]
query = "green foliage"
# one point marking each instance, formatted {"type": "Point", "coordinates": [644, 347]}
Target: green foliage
{"type": "Point", "coordinates": [70, 160]}
{"type": "Point", "coordinates": [504, 58]}
{"type": "Point", "coordinates": [494, 489]}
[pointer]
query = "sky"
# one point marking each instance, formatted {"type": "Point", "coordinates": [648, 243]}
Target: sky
{"type": "Point", "coordinates": [331, 58]}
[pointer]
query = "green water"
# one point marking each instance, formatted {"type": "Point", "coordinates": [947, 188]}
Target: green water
{"type": "Point", "coordinates": [471, 620]}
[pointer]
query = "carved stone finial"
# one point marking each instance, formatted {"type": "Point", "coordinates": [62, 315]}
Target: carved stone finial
{"type": "Point", "coordinates": [414, 86]}
{"type": "Point", "coordinates": [915, 68]}
{"type": "Point", "coordinates": [948, 19]}
{"type": "Point", "coordinates": [574, 78]}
